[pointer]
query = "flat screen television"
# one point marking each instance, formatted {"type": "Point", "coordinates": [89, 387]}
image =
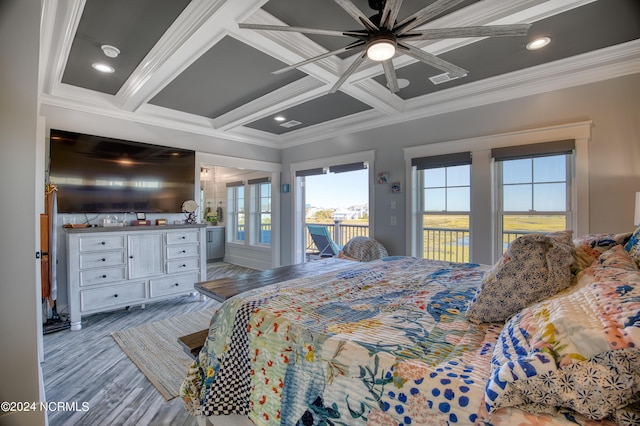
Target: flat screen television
{"type": "Point", "coordinates": [96, 174]}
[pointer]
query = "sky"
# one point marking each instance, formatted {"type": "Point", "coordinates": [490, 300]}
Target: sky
{"type": "Point", "coordinates": [338, 190]}
{"type": "Point", "coordinates": [342, 190]}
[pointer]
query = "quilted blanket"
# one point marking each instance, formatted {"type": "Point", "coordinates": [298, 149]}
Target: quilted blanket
{"type": "Point", "coordinates": [379, 343]}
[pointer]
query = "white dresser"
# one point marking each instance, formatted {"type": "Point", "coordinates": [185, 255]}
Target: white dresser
{"type": "Point", "coordinates": [110, 268]}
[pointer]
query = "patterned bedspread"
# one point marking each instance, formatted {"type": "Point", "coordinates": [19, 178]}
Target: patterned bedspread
{"type": "Point", "coordinates": [383, 343]}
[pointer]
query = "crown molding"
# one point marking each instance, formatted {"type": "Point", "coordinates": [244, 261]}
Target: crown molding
{"type": "Point", "coordinates": [608, 63]}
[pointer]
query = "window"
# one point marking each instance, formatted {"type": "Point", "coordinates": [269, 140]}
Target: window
{"type": "Point", "coordinates": [338, 198]}
{"type": "Point", "coordinates": [236, 215]}
{"type": "Point", "coordinates": [330, 189]}
{"type": "Point", "coordinates": [261, 189]}
{"type": "Point", "coordinates": [550, 184]}
{"type": "Point", "coordinates": [534, 196]}
{"type": "Point", "coordinates": [445, 193]}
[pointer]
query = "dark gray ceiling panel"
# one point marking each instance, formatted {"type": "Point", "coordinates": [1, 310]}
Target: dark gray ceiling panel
{"type": "Point", "coordinates": [229, 75]}
{"type": "Point", "coordinates": [125, 24]}
{"type": "Point", "coordinates": [319, 110]}
{"type": "Point", "coordinates": [577, 31]}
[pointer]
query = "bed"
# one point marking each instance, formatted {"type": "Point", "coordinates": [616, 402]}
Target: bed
{"type": "Point", "coordinates": [549, 335]}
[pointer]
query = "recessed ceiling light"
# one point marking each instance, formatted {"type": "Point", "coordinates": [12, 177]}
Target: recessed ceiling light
{"type": "Point", "coordinates": [103, 68]}
{"type": "Point", "coordinates": [538, 43]}
{"type": "Point", "coordinates": [279, 118]}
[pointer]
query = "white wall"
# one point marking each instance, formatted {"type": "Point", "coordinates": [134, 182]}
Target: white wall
{"type": "Point", "coordinates": [19, 294]}
{"type": "Point", "coordinates": [614, 151]}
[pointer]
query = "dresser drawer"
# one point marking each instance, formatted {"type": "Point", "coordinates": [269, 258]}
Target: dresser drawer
{"type": "Point", "coordinates": [102, 276]}
{"type": "Point", "coordinates": [182, 265]}
{"type": "Point", "coordinates": [122, 294]}
{"type": "Point", "coordinates": [180, 251]}
{"type": "Point", "coordinates": [182, 237]}
{"type": "Point", "coordinates": [177, 284]}
{"type": "Point", "coordinates": [105, 242]}
{"type": "Point", "coordinates": [101, 260]}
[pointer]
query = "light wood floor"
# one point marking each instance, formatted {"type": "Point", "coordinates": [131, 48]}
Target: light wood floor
{"type": "Point", "coordinates": [89, 366]}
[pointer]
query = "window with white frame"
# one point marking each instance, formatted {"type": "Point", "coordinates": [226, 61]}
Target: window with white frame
{"type": "Point", "coordinates": [261, 210]}
{"type": "Point", "coordinates": [236, 213]}
{"type": "Point", "coordinates": [534, 190]}
{"type": "Point", "coordinates": [444, 192]}
{"type": "Point", "coordinates": [525, 186]}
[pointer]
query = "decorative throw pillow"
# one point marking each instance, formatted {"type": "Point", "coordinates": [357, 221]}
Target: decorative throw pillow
{"type": "Point", "coordinates": [364, 249]}
{"type": "Point", "coordinates": [589, 248]}
{"type": "Point", "coordinates": [633, 246]}
{"type": "Point", "coordinates": [534, 267]}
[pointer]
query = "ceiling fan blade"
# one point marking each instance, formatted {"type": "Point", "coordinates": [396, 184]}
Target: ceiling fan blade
{"type": "Point", "coordinates": [352, 68]}
{"type": "Point", "coordinates": [433, 60]}
{"type": "Point", "coordinates": [422, 16]}
{"type": "Point", "coordinates": [463, 32]}
{"type": "Point", "coordinates": [300, 30]}
{"type": "Point", "coordinates": [390, 13]}
{"type": "Point", "coordinates": [357, 14]}
{"type": "Point", "coordinates": [355, 46]}
{"type": "Point", "coordinates": [390, 74]}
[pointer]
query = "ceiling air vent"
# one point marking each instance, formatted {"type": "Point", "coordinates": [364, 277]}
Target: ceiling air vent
{"type": "Point", "coordinates": [291, 123]}
{"type": "Point", "coordinates": [442, 78]}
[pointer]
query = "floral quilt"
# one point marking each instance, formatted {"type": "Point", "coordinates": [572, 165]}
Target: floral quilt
{"type": "Point", "coordinates": [379, 343]}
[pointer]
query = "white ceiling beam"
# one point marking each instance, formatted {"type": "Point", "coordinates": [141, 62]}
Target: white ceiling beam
{"type": "Point", "coordinates": [60, 20]}
{"type": "Point", "coordinates": [300, 91]}
{"type": "Point", "coordinates": [202, 24]}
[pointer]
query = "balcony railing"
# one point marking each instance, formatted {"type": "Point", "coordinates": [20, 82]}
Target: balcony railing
{"type": "Point", "coordinates": [340, 232]}
{"type": "Point", "coordinates": [452, 244]}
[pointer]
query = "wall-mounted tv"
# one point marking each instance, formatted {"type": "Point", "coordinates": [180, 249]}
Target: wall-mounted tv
{"type": "Point", "coordinates": [96, 174]}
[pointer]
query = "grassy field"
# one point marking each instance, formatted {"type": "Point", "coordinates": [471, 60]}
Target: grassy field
{"type": "Point", "coordinates": [452, 243]}
{"type": "Point", "coordinates": [512, 223]}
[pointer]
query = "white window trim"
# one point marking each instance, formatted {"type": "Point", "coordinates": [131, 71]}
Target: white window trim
{"type": "Point", "coordinates": [256, 213]}
{"type": "Point", "coordinates": [232, 194]}
{"type": "Point", "coordinates": [274, 169]}
{"type": "Point", "coordinates": [482, 180]}
{"type": "Point", "coordinates": [297, 236]}
{"type": "Point", "coordinates": [499, 200]}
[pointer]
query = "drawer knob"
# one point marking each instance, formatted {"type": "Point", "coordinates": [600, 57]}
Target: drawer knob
{"type": "Point", "coordinates": [104, 276]}
{"type": "Point", "coordinates": [184, 266]}
{"type": "Point", "coordinates": [103, 243]}
{"type": "Point", "coordinates": [177, 284]}
{"type": "Point", "coordinates": [103, 259]}
{"type": "Point", "coordinates": [184, 251]}
{"type": "Point", "coordinates": [130, 257]}
{"type": "Point", "coordinates": [184, 238]}
{"type": "Point", "coordinates": [115, 295]}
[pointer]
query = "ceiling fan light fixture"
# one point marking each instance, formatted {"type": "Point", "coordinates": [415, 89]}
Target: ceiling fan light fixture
{"type": "Point", "coordinates": [381, 47]}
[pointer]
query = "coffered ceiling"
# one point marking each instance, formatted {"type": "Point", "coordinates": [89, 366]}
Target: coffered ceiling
{"type": "Point", "coordinates": [187, 65]}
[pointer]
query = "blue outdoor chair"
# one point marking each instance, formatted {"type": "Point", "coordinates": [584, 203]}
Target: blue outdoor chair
{"type": "Point", "coordinates": [323, 241]}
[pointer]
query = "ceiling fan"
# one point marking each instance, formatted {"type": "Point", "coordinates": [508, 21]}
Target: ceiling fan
{"type": "Point", "coordinates": [382, 37]}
